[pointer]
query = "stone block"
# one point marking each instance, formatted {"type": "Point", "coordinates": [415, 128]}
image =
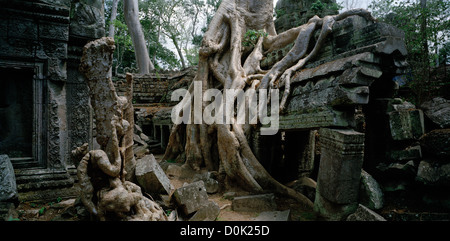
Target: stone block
{"type": "Point", "coordinates": [254, 203]}
{"type": "Point", "coordinates": [363, 213]}
{"type": "Point", "coordinates": [332, 211]}
{"type": "Point", "coordinates": [406, 124]}
{"type": "Point", "coordinates": [436, 143]}
{"type": "Point", "coordinates": [211, 184]}
{"type": "Point", "coordinates": [274, 216]}
{"type": "Point", "coordinates": [8, 186]}
{"type": "Point", "coordinates": [151, 176]}
{"type": "Point", "coordinates": [8, 212]}
{"type": "Point", "coordinates": [438, 110]}
{"type": "Point", "coordinates": [433, 174]}
{"type": "Point", "coordinates": [341, 161]}
{"type": "Point", "coordinates": [410, 153]}
{"type": "Point", "coordinates": [208, 212]}
{"type": "Point", "coordinates": [370, 193]}
{"type": "Point", "coordinates": [191, 197]}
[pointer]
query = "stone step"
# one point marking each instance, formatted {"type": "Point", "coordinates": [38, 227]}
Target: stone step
{"type": "Point", "coordinates": [50, 194]}
{"type": "Point", "coordinates": [22, 179]}
{"type": "Point", "coordinates": [48, 184]}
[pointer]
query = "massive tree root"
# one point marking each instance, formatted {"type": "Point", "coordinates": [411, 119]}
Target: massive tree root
{"type": "Point", "coordinates": [106, 175]}
{"type": "Point", "coordinates": [220, 66]}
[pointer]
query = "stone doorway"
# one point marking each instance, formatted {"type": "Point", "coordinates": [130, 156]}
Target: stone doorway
{"type": "Point", "coordinates": [21, 116]}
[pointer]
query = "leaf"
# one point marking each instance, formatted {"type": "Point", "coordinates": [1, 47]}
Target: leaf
{"type": "Point", "coordinates": [41, 211]}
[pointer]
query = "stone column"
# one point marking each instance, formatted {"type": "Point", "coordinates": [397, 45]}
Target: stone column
{"type": "Point", "coordinates": [342, 155]}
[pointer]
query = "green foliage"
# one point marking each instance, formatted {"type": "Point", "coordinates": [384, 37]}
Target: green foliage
{"type": "Point", "coordinates": [13, 219]}
{"type": "Point", "coordinates": [424, 27]}
{"type": "Point", "coordinates": [335, 6]}
{"type": "Point", "coordinates": [318, 6]}
{"type": "Point", "coordinates": [251, 37]}
{"type": "Point", "coordinates": [153, 15]}
{"type": "Point", "coordinates": [278, 13]}
{"type": "Point", "coordinates": [41, 211]}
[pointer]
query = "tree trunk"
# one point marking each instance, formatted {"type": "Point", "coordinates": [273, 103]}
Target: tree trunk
{"type": "Point", "coordinates": [425, 56]}
{"type": "Point", "coordinates": [221, 64]}
{"type": "Point", "coordinates": [105, 176]}
{"type": "Point", "coordinates": [131, 12]}
{"type": "Point", "coordinates": [113, 18]}
{"type": "Point", "coordinates": [177, 47]}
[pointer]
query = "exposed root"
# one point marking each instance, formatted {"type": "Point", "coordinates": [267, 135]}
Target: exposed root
{"type": "Point", "coordinates": [103, 174]}
{"type": "Point", "coordinates": [221, 55]}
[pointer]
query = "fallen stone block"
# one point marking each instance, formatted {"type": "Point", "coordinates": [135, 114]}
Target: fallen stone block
{"type": "Point", "coordinates": [8, 212]}
{"type": "Point", "coordinates": [410, 153]}
{"type": "Point", "coordinates": [254, 203]}
{"type": "Point", "coordinates": [191, 198]}
{"type": "Point", "coordinates": [438, 110]}
{"type": "Point", "coordinates": [151, 176]}
{"type": "Point", "coordinates": [208, 212]}
{"type": "Point", "coordinates": [406, 124]}
{"type": "Point", "coordinates": [362, 213]}
{"type": "Point", "coordinates": [436, 143]}
{"type": "Point", "coordinates": [274, 216]}
{"type": "Point", "coordinates": [211, 184]}
{"type": "Point", "coordinates": [433, 174]}
{"type": "Point", "coordinates": [370, 193]}
{"type": "Point", "coordinates": [140, 151]}
{"type": "Point", "coordinates": [8, 186]}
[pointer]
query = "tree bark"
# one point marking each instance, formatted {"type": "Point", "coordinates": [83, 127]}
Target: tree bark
{"type": "Point", "coordinates": [221, 64]}
{"type": "Point", "coordinates": [105, 176]}
{"type": "Point", "coordinates": [180, 53]}
{"type": "Point", "coordinates": [113, 18]}
{"type": "Point", "coordinates": [131, 12]}
{"type": "Point", "coordinates": [425, 56]}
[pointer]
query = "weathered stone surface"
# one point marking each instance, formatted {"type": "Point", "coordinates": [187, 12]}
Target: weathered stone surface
{"type": "Point", "coordinates": [406, 124]}
{"type": "Point", "coordinates": [436, 143]}
{"type": "Point", "coordinates": [87, 19]}
{"type": "Point", "coordinates": [293, 13]}
{"type": "Point", "coordinates": [370, 193]}
{"type": "Point", "coordinates": [151, 176]}
{"type": "Point", "coordinates": [208, 212]}
{"type": "Point", "coordinates": [191, 197]}
{"type": "Point", "coordinates": [332, 211]}
{"type": "Point", "coordinates": [433, 173]}
{"type": "Point", "coordinates": [410, 153]}
{"type": "Point", "coordinates": [363, 213]}
{"type": "Point", "coordinates": [158, 87]}
{"type": "Point", "coordinates": [8, 187]}
{"type": "Point", "coordinates": [274, 216]}
{"type": "Point", "coordinates": [397, 176]}
{"type": "Point", "coordinates": [307, 159]}
{"type": "Point", "coordinates": [140, 151]}
{"type": "Point", "coordinates": [211, 184]}
{"type": "Point", "coordinates": [8, 212]}
{"type": "Point", "coordinates": [438, 110]}
{"type": "Point", "coordinates": [342, 73]}
{"type": "Point", "coordinates": [340, 165]}
{"type": "Point", "coordinates": [254, 203]}
{"type": "Point", "coordinates": [137, 139]}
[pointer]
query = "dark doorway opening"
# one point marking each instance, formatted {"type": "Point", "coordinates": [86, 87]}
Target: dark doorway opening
{"type": "Point", "coordinates": [18, 116]}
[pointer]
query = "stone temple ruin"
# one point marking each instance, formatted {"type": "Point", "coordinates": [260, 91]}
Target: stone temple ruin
{"type": "Point", "coordinates": [343, 127]}
{"type": "Point", "coordinates": [44, 109]}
